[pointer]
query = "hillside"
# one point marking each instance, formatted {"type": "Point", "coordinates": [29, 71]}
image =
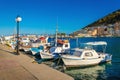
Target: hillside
{"type": "Point", "coordinates": [108, 19]}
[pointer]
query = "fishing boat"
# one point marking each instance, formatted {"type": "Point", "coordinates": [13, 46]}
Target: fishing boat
{"type": "Point", "coordinates": [52, 52]}
{"type": "Point", "coordinates": [25, 44]}
{"type": "Point", "coordinates": [86, 57]}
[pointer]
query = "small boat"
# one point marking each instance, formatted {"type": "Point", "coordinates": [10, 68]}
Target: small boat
{"type": "Point", "coordinates": [25, 44]}
{"type": "Point", "coordinates": [85, 57]}
{"type": "Point", "coordinates": [36, 50]}
{"type": "Point", "coordinates": [49, 53]}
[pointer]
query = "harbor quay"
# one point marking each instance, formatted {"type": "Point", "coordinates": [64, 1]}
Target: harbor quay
{"type": "Point", "coordinates": [20, 67]}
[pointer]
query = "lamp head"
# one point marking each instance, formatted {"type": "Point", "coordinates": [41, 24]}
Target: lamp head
{"type": "Point", "coordinates": [18, 19]}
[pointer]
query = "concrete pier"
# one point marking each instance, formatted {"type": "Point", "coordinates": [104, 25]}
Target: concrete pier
{"type": "Point", "coordinates": [20, 67]}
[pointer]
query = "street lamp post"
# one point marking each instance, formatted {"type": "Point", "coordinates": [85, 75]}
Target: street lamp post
{"type": "Point", "coordinates": [18, 19]}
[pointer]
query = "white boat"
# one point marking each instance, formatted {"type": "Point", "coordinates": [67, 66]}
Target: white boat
{"type": "Point", "coordinates": [85, 57]}
{"type": "Point", "coordinates": [25, 44]}
{"type": "Point", "coordinates": [53, 51]}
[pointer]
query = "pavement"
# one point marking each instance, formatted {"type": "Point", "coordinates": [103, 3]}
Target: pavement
{"type": "Point", "coordinates": [20, 67]}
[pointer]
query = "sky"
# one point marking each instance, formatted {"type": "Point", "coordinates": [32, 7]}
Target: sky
{"type": "Point", "coordinates": [42, 16]}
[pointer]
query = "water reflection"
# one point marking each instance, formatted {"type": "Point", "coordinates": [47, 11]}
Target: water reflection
{"type": "Point", "coordinates": [90, 73]}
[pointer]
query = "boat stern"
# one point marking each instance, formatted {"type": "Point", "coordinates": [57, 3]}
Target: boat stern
{"type": "Point", "coordinates": [108, 57]}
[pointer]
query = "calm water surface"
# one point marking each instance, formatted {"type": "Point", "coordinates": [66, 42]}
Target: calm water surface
{"type": "Point", "coordinates": [108, 71]}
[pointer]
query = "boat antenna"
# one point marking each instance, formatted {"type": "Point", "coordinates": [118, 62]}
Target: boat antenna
{"type": "Point", "coordinates": [56, 32]}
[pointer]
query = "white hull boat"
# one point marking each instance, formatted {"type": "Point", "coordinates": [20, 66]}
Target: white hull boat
{"type": "Point", "coordinates": [74, 61]}
{"type": "Point", "coordinates": [53, 51]}
{"type": "Point", "coordinates": [85, 57]}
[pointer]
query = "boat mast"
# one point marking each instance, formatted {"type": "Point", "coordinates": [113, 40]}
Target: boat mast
{"type": "Point", "coordinates": [77, 42]}
{"type": "Point", "coordinates": [56, 33]}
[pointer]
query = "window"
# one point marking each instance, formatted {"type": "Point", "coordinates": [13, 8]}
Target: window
{"type": "Point", "coordinates": [66, 45]}
{"type": "Point", "coordinates": [88, 54]}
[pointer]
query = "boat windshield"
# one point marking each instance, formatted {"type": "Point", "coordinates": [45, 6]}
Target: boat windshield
{"type": "Point", "coordinates": [99, 46]}
{"type": "Point", "coordinates": [75, 53]}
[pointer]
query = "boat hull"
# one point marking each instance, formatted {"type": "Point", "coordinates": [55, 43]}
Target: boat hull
{"type": "Point", "coordinates": [46, 55]}
{"type": "Point", "coordinates": [78, 62]}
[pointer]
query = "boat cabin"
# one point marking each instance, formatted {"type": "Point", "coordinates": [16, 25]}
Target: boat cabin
{"type": "Point", "coordinates": [84, 53]}
{"type": "Point", "coordinates": [64, 44]}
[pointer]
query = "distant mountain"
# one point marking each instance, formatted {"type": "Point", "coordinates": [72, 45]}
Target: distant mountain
{"type": "Point", "coordinates": [109, 19]}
